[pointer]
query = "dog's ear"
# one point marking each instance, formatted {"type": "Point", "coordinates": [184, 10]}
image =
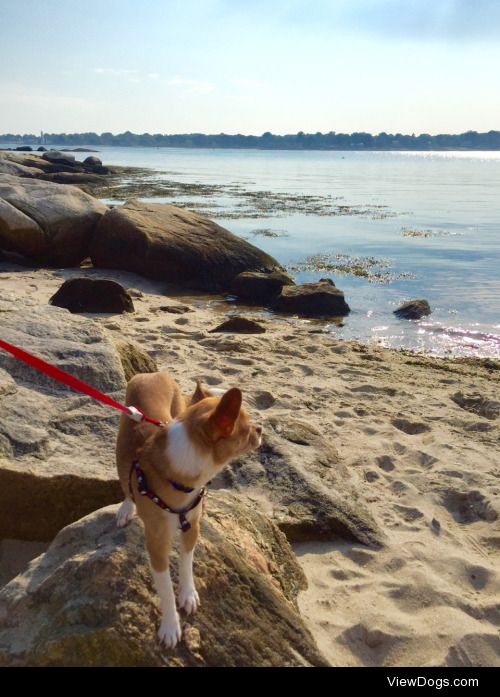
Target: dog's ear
{"type": "Point", "coordinates": [226, 412]}
{"type": "Point", "coordinates": [200, 393]}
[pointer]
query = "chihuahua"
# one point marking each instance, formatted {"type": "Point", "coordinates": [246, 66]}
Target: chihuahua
{"type": "Point", "coordinates": [164, 470]}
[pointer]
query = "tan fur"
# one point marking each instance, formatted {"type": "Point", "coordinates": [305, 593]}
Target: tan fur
{"type": "Point", "coordinates": [217, 428]}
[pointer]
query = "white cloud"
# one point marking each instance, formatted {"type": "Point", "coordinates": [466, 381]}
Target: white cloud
{"type": "Point", "coordinates": [114, 71]}
{"type": "Point", "coordinates": [248, 84]}
{"type": "Point", "coordinates": [192, 86]}
{"type": "Point", "coordinates": [36, 98]}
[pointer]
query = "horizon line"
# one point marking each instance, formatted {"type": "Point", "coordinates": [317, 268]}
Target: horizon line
{"type": "Point", "coordinates": [250, 135]}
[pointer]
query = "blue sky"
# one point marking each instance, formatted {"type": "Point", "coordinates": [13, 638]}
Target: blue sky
{"type": "Point", "coordinates": [249, 66]}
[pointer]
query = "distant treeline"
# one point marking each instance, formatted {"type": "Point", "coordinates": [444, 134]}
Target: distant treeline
{"type": "Point", "coordinates": [471, 140]}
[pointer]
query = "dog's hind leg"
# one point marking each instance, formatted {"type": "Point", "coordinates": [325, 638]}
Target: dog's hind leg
{"type": "Point", "coordinates": [125, 512]}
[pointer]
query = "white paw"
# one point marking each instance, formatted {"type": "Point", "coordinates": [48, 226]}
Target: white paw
{"type": "Point", "coordinates": [125, 513]}
{"type": "Point", "coordinates": [170, 631]}
{"type": "Point", "coordinates": [189, 600]}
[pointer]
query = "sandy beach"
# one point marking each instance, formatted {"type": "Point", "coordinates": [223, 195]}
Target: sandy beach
{"type": "Point", "coordinates": [419, 435]}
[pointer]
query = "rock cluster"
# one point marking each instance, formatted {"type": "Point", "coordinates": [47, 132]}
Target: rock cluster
{"type": "Point", "coordinates": [58, 225]}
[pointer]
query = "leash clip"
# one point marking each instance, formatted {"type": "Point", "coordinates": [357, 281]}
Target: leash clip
{"type": "Point", "coordinates": [135, 414]}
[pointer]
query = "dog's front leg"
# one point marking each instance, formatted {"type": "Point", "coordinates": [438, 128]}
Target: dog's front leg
{"type": "Point", "coordinates": [159, 544]}
{"type": "Point", "coordinates": [188, 599]}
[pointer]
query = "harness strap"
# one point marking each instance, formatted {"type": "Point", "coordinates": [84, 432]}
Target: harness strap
{"type": "Point", "coordinates": [142, 486]}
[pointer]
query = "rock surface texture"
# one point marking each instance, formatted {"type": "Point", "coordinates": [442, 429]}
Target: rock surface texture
{"type": "Point", "coordinates": [89, 600]}
{"type": "Point", "coordinates": [320, 299]}
{"type": "Point", "coordinates": [299, 479]}
{"type": "Point", "coordinates": [56, 446]}
{"type": "Point", "coordinates": [92, 295]}
{"type": "Point", "coordinates": [45, 222]}
{"type": "Point", "coordinates": [258, 288]}
{"type": "Point", "coordinates": [172, 244]}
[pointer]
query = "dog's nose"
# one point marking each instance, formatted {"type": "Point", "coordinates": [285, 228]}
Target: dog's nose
{"type": "Point", "coordinates": [259, 430]}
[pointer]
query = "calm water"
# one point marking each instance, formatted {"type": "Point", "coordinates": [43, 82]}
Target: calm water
{"type": "Point", "coordinates": [454, 197]}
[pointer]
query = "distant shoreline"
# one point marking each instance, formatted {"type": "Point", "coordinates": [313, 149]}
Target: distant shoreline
{"type": "Point", "coordinates": [360, 141]}
{"type": "Point", "coordinates": [254, 148]}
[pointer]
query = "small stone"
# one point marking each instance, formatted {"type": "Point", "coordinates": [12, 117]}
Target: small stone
{"type": "Point", "coordinates": [413, 309]}
{"type": "Point", "coordinates": [436, 525]}
{"type": "Point", "coordinates": [240, 325]}
{"type": "Point", "coordinates": [175, 309]}
{"type": "Point", "coordinates": [135, 293]}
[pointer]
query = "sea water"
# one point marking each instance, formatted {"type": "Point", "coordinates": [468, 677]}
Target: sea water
{"type": "Point", "coordinates": [431, 220]}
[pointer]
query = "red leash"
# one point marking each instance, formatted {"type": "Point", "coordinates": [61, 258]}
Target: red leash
{"type": "Point", "coordinates": [74, 383]}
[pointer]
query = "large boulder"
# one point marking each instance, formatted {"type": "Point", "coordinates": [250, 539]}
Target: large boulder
{"type": "Point", "coordinates": [31, 160]}
{"type": "Point", "coordinates": [258, 288]}
{"type": "Point", "coordinates": [17, 169]}
{"type": "Point", "coordinates": [78, 178]}
{"type": "Point", "coordinates": [60, 158]}
{"type": "Point", "coordinates": [93, 295]}
{"type": "Point", "coordinates": [89, 600]}
{"type": "Point", "coordinates": [172, 244]}
{"type": "Point", "coordinates": [319, 299]}
{"type": "Point", "coordinates": [57, 458]}
{"type": "Point", "coordinates": [92, 162]}
{"type": "Point", "coordinates": [46, 222]}
{"type": "Point", "coordinates": [299, 479]}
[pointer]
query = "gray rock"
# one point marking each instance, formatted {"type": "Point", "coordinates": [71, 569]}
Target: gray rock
{"type": "Point", "coordinates": [27, 160]}
{"type": "Point", "coordinates": [46, 222]}
{"type": "Point", "coordinates": [172, 244]}
{"type": "Point", "coordinates": [240, 325]}
{"type": "Point", "coordinates": [297, 477]}
{"type": "Point", "coordinates": [175, 309]}
{"type": "Point", "coordinates": [320, 299]}
{"type": "Point", "coordinates": [89, 600]}
{"type": "Point", "coordinates": [56, 446]}
{"type": "Point", "coordinates": [260, 288]}
{"type": "Point", "coordinates": [92, 161]}
{"type": "Point", "coordinates": [17, 169]}
{"type": "Point", "coordinates": [413, 309]}
{"type": "Point", "coordinates": [78, 178]}
{"type": "Point", "coordinates": [62, 158]}
{"type": "Point", "coordinates": [93, 295]}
